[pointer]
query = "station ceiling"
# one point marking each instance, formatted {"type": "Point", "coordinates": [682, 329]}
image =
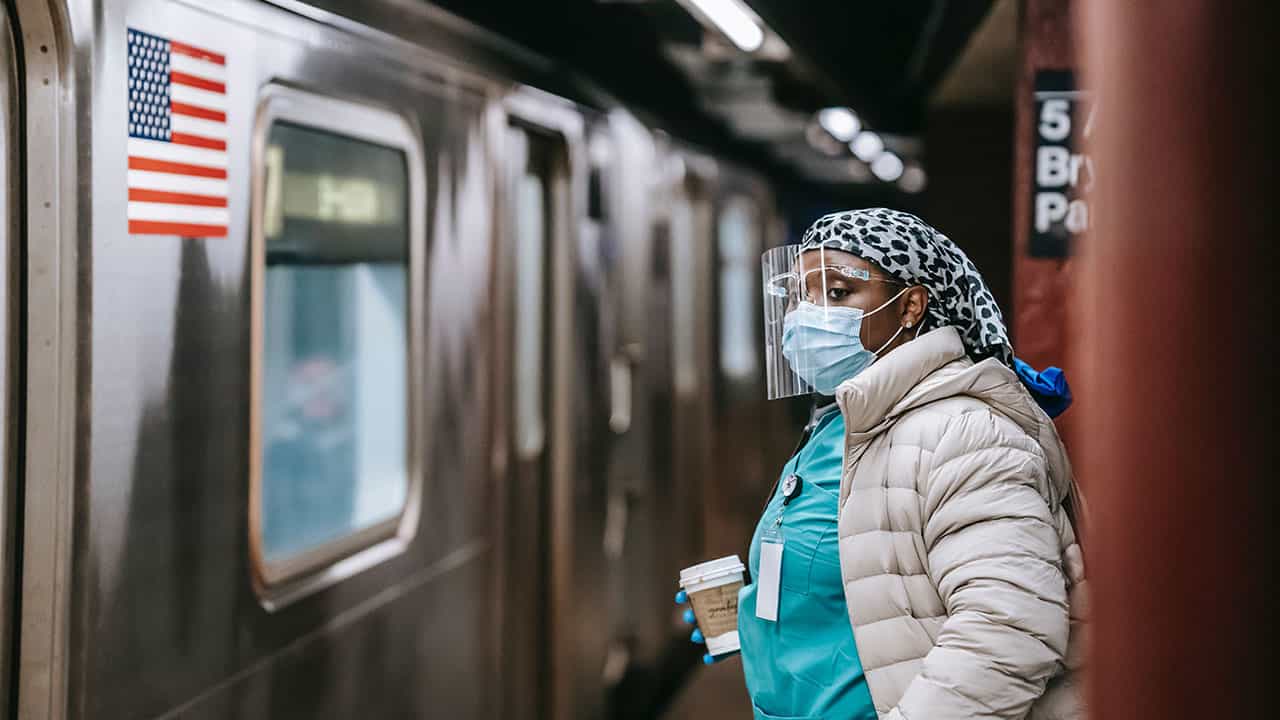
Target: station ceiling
{"type": "Point", "coordinates": [884, 59]}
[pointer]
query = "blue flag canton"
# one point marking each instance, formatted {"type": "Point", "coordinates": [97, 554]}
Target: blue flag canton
{"type": "Point", "coordinates": [149, 116]}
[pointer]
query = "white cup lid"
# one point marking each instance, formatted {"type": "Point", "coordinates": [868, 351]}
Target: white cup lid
{"type": "Point", "coordinates": [711, 569]}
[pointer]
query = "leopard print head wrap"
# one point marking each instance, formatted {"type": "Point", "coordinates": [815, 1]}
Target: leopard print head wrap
{"type": "Point", "coordinates": [909, 249]}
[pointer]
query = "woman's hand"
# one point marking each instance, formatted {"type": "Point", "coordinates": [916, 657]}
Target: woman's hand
{"type": "Point", "coordinates": [682, 598]}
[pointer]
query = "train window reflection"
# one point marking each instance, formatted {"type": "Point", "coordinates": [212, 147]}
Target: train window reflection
{"type": "Point", "coordinates": [738, 247]}
{"type": "Point", "coordinates": [334, 415]}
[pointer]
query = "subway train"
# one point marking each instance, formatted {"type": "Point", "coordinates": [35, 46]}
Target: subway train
{"type": "Point", "coordinates": [358, 364]}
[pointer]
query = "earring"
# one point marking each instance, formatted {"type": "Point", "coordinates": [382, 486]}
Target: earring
{"type": "Point", "coordinates": [908, 323]}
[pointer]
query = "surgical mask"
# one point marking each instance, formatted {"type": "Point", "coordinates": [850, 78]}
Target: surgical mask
{"type": "Point", "coordinates": [823, 344]}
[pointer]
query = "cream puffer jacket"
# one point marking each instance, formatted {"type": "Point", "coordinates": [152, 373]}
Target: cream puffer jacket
{"type": "Point", "coordinates": [963, 578]}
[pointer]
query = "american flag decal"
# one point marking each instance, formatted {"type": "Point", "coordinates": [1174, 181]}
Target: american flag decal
{"type": "Point", "coordinates": [177, 139]}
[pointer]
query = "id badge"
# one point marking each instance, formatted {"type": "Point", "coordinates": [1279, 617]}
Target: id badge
{"type": "Point", "coordinates": [770, 578]}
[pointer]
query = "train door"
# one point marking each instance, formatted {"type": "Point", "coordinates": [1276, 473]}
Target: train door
{"type": "Point", "coordinates": [692, 317]}
{"type": "Point", "coordinates": [524, 274]}
{"type": "Point", "coordinates": [39, 348]}
{"type": "Point", "coordinates": [668, 446]}
{"type": "Point", "coordinates": [554, 415]}
{"type": "Point", "coordinates": [747, 439]}
{"type": "Point", "coordinates": [639, 516]}
{"type": "Point", "coordinates": [8, 289]}
{"type": "Point", "coordinates": [724, 435]}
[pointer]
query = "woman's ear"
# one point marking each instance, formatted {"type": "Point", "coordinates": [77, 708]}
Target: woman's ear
{"type": "Point", "coordinates": [916, 300]}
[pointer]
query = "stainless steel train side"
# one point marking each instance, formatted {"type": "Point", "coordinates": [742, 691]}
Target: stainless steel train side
{"type": "Point", "coordinates": [581, 359]}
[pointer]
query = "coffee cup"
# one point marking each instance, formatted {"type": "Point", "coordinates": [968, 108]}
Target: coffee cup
{"type": "Point", "coordinates": [712, 588]}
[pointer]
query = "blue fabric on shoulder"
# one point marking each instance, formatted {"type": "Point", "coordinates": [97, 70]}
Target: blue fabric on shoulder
{"type": "Point", "coordinates": [1049, 387]}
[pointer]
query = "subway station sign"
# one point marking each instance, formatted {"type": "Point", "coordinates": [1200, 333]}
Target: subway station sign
{"type": "Point", "coordinates": [1063, 174]}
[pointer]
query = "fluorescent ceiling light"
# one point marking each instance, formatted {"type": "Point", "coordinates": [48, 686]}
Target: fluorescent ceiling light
{"type": "Point", "coordinates": [867, 145]}
{"type": "Point", "coordinates": [887, 167]}
{"type": "Point", "coordinates": [733, 19]}
{"type": "Point", "coordinates": [840, 122]}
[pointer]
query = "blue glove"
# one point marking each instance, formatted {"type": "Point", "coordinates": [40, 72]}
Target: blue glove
{"type": "Point", "coordinates": [1049, 387]}
{"type": "Point", "coordinates": [696, 637]}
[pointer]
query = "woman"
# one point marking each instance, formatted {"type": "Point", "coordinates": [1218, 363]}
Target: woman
{"type": "Point", "coordinates": [917, 560]}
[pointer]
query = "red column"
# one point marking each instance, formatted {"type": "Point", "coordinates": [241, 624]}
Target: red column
{"type": "Point", "coordinates": [1177, 398]}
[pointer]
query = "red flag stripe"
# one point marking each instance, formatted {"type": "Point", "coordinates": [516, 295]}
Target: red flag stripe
{"type": "Point", "coordinates": [190, 80]}
{"type": "Point", "coordinates": [141, 163]}
{"type": "Point", "coordinates": [197, 141]}
{"type": "Point", "coordinates": [175, 198]}
{"type": "Point", "coordinates": [151, 227]}
{"type": "Point", "coordinates": [195, 52]}
{"type": "Point", "coordinates": [181, 108]}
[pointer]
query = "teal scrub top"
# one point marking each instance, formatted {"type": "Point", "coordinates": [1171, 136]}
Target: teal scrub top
{"type": "Point", "coordinates": [805, 666]}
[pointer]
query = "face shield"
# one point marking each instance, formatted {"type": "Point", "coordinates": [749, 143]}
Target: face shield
{"type": "Point", "coordinates": [826, 286]}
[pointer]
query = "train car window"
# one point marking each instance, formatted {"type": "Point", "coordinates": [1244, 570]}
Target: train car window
{"type": "Point", "coordinates": [530, 291]}
{"type": "Point", "coordinates": [738, 233]}
{"type": "Point", "coordinates": [332, 340]}
{"type": "Point", "coordinates": [595, 193]}
{"type": "Point", "coordinates": [600, 155]}
{"type": "Point", "coordinates": [684, 293]}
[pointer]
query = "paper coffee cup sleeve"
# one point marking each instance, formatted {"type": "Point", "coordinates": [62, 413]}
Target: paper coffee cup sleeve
{"type": "Point", "coordinates": [716, 609]}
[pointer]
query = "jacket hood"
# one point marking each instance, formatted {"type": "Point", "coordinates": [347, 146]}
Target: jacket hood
{"type": "Point", "coordinates": [933, 367]}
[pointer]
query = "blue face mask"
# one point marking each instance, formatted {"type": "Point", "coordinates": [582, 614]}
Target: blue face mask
{"type": "Point", "coordinates": [823, 345]}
